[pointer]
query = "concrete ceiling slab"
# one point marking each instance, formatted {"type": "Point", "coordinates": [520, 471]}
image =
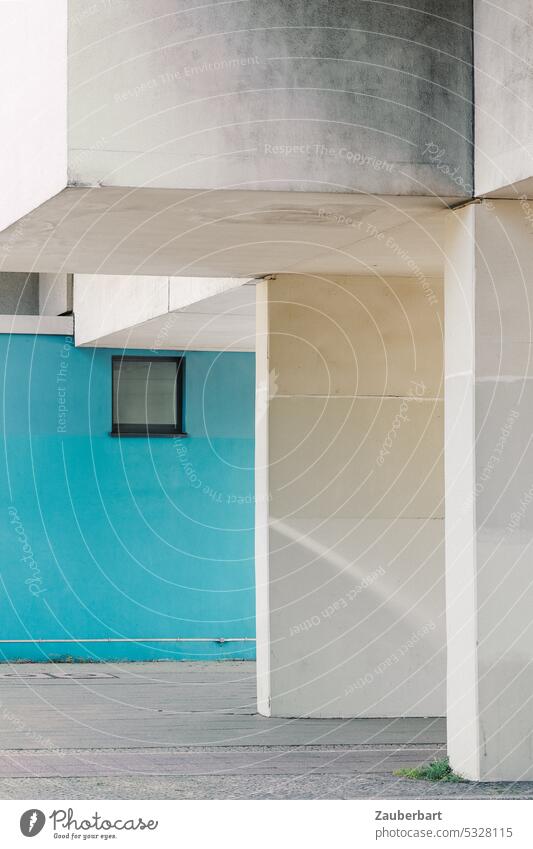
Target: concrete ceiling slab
{"type": "Point", "coordinates": [117, 230]}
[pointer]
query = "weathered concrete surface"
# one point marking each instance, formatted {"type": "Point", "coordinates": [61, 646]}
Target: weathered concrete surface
{"type": "Point", "coordinates": [336, 96]}
{"type": "Point", "coordinates": [78, 731]}
{"type": "Point", "coordinates": [503, 46]}
{"type": "Point", "coordinates": [19, 293]}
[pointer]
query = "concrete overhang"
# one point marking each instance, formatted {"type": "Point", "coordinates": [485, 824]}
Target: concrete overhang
{"type": "Point", "coordinates": [520, 190]}
{"type": "Point", "coordinates": [223, 233]}
{"type": "Point", "coordinates": [156, 313]}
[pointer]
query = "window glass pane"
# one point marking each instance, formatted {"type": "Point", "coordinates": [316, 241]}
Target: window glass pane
{"type": "Point", "coordinates": [145, 392]}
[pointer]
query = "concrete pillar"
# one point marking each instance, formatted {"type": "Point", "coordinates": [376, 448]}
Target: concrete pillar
{"type": "Point", "coordinates": [489, 489]}
{"type": "Point", "coordinates": [349, 506]}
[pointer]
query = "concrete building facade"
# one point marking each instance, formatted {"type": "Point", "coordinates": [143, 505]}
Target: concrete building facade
{"type": "Point", "coordinates": [345, 189]}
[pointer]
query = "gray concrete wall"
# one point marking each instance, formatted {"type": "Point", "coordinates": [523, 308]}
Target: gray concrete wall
{"type": "Point", "coordinates": [504, 93]}
{"type": "Point", "coordinates": [349, 512]}
{"type": "Point", "coordinates": [325, 96]}
{"type": "Point", "coordinates": [19, 293]}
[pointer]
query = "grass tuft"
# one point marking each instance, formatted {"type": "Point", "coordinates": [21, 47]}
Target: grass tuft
{"type": "Point", "coordinates": [435, 771]}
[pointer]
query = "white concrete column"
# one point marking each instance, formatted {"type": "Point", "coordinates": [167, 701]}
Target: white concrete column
{"type": "Point", "coordinates": [489, 489]}
{"type": "Point", "coordinates": [349, 507]}
{"type": "Point", "coordinates": [262, 589]}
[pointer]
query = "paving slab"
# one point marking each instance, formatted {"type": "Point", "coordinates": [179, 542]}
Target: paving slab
{"type": "Point", "coordinates": [289, 761]}
{"type": "Point", "coordinates": [174, 730]}
{"type": "Point", "coordinates": [165, 703]}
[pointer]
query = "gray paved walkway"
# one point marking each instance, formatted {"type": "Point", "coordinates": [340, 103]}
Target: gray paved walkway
{"type": "Point", "coordinates": [180, 730]}
{"type": "Point", "coordinates": [167, 704]}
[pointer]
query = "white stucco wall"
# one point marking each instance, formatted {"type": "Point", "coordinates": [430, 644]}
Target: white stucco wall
{"type": "Point", "coordinates": [33, 105]}
{"type": "Point", "coordinates": [351, 568]}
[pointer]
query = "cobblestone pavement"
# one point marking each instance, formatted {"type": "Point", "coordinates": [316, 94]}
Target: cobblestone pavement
{"type": "Point", "coordinates": [254, 787]}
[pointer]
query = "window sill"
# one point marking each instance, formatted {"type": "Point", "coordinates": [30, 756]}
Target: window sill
{"type": "Point", "coordinates": [176, 435]}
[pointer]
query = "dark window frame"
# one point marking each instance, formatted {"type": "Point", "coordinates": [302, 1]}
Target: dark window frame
{"type": "Point", "coordinates": [149, 429]}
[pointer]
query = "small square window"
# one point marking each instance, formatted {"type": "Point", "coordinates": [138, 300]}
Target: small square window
{"type": "Point", "coordinates": [148, 396]}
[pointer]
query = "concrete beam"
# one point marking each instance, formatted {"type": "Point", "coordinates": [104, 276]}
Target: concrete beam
{"type": "Point", "coordinates": [167, 232]}
{"type": "Point", "coordinates": [106, 304]}
{"type": "Point", "coordinates": [46, 325]}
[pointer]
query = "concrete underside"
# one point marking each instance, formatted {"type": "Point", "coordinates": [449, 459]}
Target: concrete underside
{"type": "Point", "coordinates": [118, 230]}
{"type": "Point", "coordinates": [180, 730]}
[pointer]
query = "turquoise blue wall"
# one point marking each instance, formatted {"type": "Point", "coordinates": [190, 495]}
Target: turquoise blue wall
{"type": "Point", "coordinates": [108, 538]}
